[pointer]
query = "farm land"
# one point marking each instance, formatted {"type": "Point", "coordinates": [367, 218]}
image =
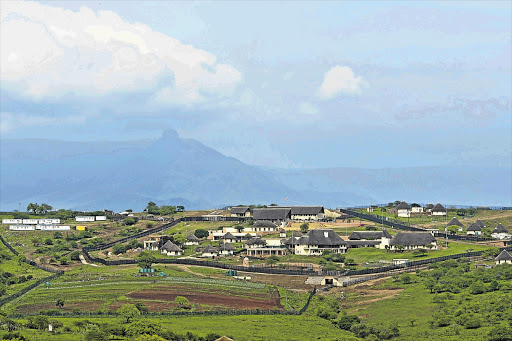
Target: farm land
{"type": "Point", "coordinates": [402, 303]}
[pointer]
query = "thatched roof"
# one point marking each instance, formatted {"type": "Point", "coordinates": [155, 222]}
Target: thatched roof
{"type": "Point", "coordinates": [192, 238]}
{"type": "Point", "coordinates": [228, 235]}
{"type": "Point", "coordinates": [454, 221]}
{"type": "Point", "coordinates": [403, 206]}
{"type": "Point", "coordinates": [363, 242]}
{"type": "Point", "coordinates": [240, 210]}
{"type": "Point", "coordinates": [209, 249]}
{"type": "Point", "coordinates": [504, 255]}
{"type": "Point", "coordinates": [480, 223]}
{"type": "Point", "coordinates": [500, 229]}
{"type": "Point", "coordinates": [474, 227]}
{"type": "Point", "coordinates": [307, 210]}
{"type": "Point", "coordinates": [321, 237]}
{"type": "Point", "coordinates": [256, 241]}
{"type": "Point", "coordinates": [297, 234]}
{"type": "Point", "coordinates": [227, 247]}
{"type": "Point", "coordinates": [438, 208]}
{"type": "Point", "coordinates": [368, 235]}
{"type": "Point", "coordinates": [171, 247]}
{"type": "Point", "coordinates": [412, 239]}
{"type": "Point", "coordinates": [272, 214]}
{"type": "Point", "coordinates": [429, 207]}
{"type": "Point", "coordinates": [264, 223]}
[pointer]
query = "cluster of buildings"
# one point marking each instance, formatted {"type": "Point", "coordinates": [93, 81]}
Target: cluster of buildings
{"type": "Point", "coordinates": [280, 214]}
{"type": "Point", "coordinates": [405, 210]}
{"type": "Point", "coordinates": [35, 224]}
{"type": "Point", "coordinates": [475, 229]}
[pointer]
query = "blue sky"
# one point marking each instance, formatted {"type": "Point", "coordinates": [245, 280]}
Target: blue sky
{"type": "Point", "coordinates": [277, 84]}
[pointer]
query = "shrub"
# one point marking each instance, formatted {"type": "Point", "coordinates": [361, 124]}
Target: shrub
{"type": "Point", "coordinates": [129, 221]}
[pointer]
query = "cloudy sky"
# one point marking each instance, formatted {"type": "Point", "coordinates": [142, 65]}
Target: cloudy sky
{"type": "Point", "coordinates": [278, 84]}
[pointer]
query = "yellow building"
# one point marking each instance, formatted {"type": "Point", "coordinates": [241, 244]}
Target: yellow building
{"type": "Point", "coordinates": [81, 228]}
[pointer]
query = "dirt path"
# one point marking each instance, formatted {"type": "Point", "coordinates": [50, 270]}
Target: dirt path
{"type": "Point", "coordinates": [82, 259]}
{"type": "Point", "coordinates": [373, 295]}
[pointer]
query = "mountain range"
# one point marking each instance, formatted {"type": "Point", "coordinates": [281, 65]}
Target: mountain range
{"type": "Point", "coordinates": [178, 171]}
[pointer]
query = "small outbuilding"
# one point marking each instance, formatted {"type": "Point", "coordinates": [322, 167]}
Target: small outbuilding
{"type": "Point", "coordinates": [474, 229]}
{"type": "Point", "coordinates": [171, 249]}
{"type": "Point", "coordinates": [504, 258]}
{"type": "Point", "coordinates": [192, 240]}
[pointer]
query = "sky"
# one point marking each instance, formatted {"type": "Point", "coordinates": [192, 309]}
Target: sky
{"type": "Point", "coordinates": [277, 84]}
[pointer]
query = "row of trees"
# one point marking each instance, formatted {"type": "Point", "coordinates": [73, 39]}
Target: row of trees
{"type": "Point", "coordinates": [153, 208]}
{"type": "Point", "coordinates": [39, 209]}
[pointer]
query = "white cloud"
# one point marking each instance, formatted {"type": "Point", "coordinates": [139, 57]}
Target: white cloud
{"type": "Point", "coordinates": [51, 52]}
{"type": "Point", "coordinates": [340, 80]}
{"type": "Point", "coordinates": [307, 108]}
{"type": "Point", "coordinates": [10, 122]}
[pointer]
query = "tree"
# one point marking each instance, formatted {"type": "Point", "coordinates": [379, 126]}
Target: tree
{"type": "Point", "coordinates": [400, 248]}
{"type": "Point", "coordinates": [500, 333]}
{"type": "Point", "coordinates": [128, 311]}
{"type": "Point", "coordinates": [181, 301]}
{"type": "Point", "coordinates": [180, 208]}
{"type": "Point", "coordinates": [152, 208]}
{"type": "Point", "coordinates": [44, 208]}
{"type": "Point", "coordinates": [129, 221]}
{"type": "Point", "coordinates": [129, 210]}
{"type": "Point", "coordinates": [146, 337]}
{"type": "Point", "coordinates": [75, 255]}
{"type": "Point", "coordinates": [304, 228]}
{"type": "Point", "coordinates": [179, 238]}
{"type": "Point", "coordinates": [430, 284]}
{"type": "Point", "coordinates": [145, 260]}
{"type": "Point", "coordinates": [461, 212]}
{"type": "Point", "coordinates": [60, 303]}
{"type": "Point", "coordinates": [201, 233]}
{"type": "Point", "coordinates": [32, 207]}
{"type": "Point", "coordinates": [420, 253]}
{"type": "Point", "coordinates": [63, 260]}
{"type": "Point", "coordinates": [143, 327]}
{"type": "Point", "coordinates": [142, 307]}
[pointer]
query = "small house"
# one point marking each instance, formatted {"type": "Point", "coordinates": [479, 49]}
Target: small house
{"type": "Point", "coordinates": [455, 222]}
{"type": "Point", "coordinates": [209, 252]}
{"type": "Point", "coordinates": [474, 229]}
{"type": "Point", "coordinates": [504, 258]}
{"type": "Point", "coordinates": [429, 208]}
{"type": "Point", "coordinates": [282, 233]}
{"type": "Point", "coordinates": [229, 238]}
{"type": "Point", "coordinates": [226, 249]}
{"type": "Point", "coordinates": [416, 208]}
{"type": "Point", "coordinates": [438, 210]}
{"type": "Point", "coordinates": [403, 210]}
{"type": "Point", "coordinates": [241, 211]}
{"type": "Point", "coordinates": [500, 232]}
{"type": "Point", "coordinates": [171, 249]}
{"type": "Point", "coordinates": [192, 240]}
{"type": "Point", "coordinates": [412, 241]}
{"type": "Point", "coordinates": [480, 223]}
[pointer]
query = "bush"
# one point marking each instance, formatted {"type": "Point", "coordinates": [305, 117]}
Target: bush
{"type": "Point", "coordinates": [129, 221]}
{"type": "Point", "coordinates": [75, 255]}
{"type": "Point", "coordinates": [201, 233]}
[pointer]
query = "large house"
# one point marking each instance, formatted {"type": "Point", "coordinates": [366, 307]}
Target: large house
{"type": "Point", "coordinates": [474, 229]}
{"type": "Point", "coordinates": [438, 210]}
{"type": "Point", "coordinates": [307, 212]}
{"type": "Point", "coordinates": [317, 241]}
{"type": "Point", "coordinates": [412, 240]}
{"type": "Point", "coordinates": [500, 232]}
{"type": "Point", "coordinates": [241, 211]}
{"type": "Point", "coordinates": [281, 215]}
{"type": "Point", "coordinates": [504, 258]}
{"type": "Point", "coordinates": [377, 239]}
{"type": "Point", "coordinates": [257, 247]}
{"type": "Point", "coordinates": [403, 210]}
{"type": "Point", "coordinates": [264, 226]}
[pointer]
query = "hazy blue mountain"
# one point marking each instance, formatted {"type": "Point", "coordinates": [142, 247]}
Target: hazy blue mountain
{"type": "Point", "coordinates": [172, 170]}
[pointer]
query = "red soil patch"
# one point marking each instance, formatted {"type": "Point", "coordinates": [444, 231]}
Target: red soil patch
{"type": "Point", "coordinates": [68, 306]}
{"type": "Point", "coordinates": [210, 299]}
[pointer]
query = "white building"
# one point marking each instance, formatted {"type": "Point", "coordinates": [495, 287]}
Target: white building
{"type": "Point", "coordinates": [22, 227]}
{"type": "Point", "coordinates": [171, 249]}
{"type": "Point", "coordinates": [30, 221]}
{"type": "Point", "coordinates": [101, 218]}
{"type": "Point", "coordinates": [84, 218]}
{"type": "Point", "coordinates": [317, 241]}
{"type": "Point", "coordinates": [438, 210]}
{"type": "Point", "coordinates": [12, 221]}
{"type": "Point", "coordinates": [500, 232]}
{"type": "Point", "coordinates": [412, 241]}
{"type": "Point", "coordinates": [474, 229]}
{"type": "Point", "coordinates": [403, 210]}
{"type": "Point", "coordinates": [377, 239]}
{"type": "Point", "coordinates": [504, 258]}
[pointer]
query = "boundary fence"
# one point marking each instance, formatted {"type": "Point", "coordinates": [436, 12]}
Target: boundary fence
{"type": "Point", "coordinates": [401, 225]}
{"type": "Point", "coordinates": [56, 273]}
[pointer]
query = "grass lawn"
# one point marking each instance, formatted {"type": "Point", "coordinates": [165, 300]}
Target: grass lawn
{"type": "Point", "coordinates": [370, 254]}
{"type": "Point", "coordinates": [248, 327]}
